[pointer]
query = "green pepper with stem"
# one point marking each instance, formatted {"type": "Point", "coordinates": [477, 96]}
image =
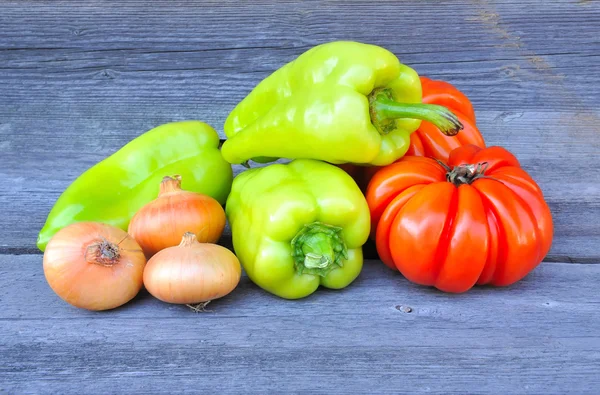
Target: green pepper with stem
{"type": "Point", "coordinates": [297, 226]}
{"type": "Point", "coordinates": [341, 102]}
{"type": "Point", "coordinates": [113, 190]}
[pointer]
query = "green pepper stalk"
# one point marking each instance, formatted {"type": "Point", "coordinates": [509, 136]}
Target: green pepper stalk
{"type": "Point", "coordinates": [340, 102]}
{"type": "Point", "coordinates": [384, 110]}
{"type": "Point", "coordinates": [298, 226]}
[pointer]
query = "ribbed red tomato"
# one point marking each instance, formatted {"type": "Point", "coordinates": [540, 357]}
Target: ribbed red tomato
{"type": "Point", "coordinates": [480, 220]}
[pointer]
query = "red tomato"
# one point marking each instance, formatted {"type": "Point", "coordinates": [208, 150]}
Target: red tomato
{"type": "Point", "coordinates": [485, 221]}
{"type": "Point", "coordinates": [427, 140]}
{"type": "Point", "coordinates": [445, 94]}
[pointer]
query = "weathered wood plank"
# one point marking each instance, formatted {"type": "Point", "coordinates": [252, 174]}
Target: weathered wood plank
{"type": "Point", "coordinates": [562, 160]}
{"type": "Point", "coordinates": [79, 82]}
{"type": "Point", "coordinates": [538, 336]}
{"type": "Point", "coordinates": [94, 55]}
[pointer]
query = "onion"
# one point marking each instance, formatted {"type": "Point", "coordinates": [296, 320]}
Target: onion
{"type": "Point", "coordinates": [162, 222]}
{"type": "Point", "coordinates": [94, 266]}
{"type": "Point", "coordinates": [192, 272]}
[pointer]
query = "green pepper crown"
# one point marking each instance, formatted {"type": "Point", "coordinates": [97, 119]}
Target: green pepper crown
{"type": "Point", "coordinates": [385, 110]}
{"type": "Point", "coordinates": [318, 248]}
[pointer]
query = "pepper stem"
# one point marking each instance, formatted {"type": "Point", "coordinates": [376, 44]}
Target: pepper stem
{"type": "Point", "coordinates": [385, 110]}
{"type": "Point", "coordinates": [318, 248]}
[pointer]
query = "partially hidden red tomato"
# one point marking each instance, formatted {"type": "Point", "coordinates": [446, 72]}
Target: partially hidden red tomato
{"type": "Point", "coordinates": [480, 220]}
{"type": "Point", "coordinates": [428, 140]}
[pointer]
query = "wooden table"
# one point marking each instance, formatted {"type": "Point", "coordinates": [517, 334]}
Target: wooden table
{"type": "Point", "coordinates": [78, 80]}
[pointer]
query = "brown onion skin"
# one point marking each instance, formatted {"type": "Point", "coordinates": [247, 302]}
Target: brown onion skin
{"type": "Point", "coordinates": [77, 276]}
{"type": "Point", "coordinates": [162, 222]}
{"type": "Point", "coordinates": [192, 272]}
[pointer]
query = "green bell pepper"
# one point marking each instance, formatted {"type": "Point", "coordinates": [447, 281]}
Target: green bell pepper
{"type": "Point", "coordinates": [113, 190]}
{"type": "Point", "coordinates": [297, 226]}
{"type": "Point", "coordinates": [341, 102]}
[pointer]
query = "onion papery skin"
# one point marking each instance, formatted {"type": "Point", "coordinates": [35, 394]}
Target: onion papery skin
{"type": "Point", "coordinates": [192, 272]}
{"type": "Point", "coordinates": [82, 276]}
{"type": "Point", "coordinates": [161, 223]}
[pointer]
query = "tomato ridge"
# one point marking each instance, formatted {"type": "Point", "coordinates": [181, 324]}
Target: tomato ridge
{"type": "Point", "coordinates": [444, 243]}
{"type": "Point", "coordinates": [501, 236]}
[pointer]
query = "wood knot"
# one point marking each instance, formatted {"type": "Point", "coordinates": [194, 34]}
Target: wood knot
{"type": "Point", "coordinates": [109, 74]}
{"type": "Point", "coordinates": [404, 309]}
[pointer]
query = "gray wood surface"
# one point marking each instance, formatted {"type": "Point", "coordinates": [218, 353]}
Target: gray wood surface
{"type": "Point", "coordinates": [380, 335]}
{"type": "Point", "coordinates": [78, 82]}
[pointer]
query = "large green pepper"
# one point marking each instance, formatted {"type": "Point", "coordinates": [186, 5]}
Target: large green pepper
{"type": "Point", "coordinates": [297, 226]}
{"type": "Point", "coordinates": [339, 102]}
{"type": "Point", "coordinates": [113, 190]}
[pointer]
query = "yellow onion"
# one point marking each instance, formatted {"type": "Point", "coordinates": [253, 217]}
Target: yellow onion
{"type": "Point", "coordinates": [162, 222]}
{"type": "Point", "coordinates": [192, 272]}
{"type": "Point", "coordinates": [94, 266]}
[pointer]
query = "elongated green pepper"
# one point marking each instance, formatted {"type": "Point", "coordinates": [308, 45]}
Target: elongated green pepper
{"type": "Point", "coordinates": [341, 102]}
{"type": "Point", "coordinates": [113, 190]}
{"type": "Point", "coordinates": [297, 226]}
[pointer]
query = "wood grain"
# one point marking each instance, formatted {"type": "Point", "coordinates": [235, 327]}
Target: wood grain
{"type": "Point", "coordinates": [380, 335]}
{"type": "Point", "coordinates": [78, 82]}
